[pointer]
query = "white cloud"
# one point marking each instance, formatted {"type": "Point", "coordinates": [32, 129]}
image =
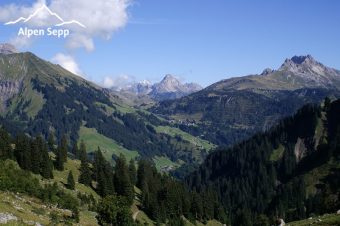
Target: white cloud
{"type": "Point", "coordinates": [67, 62]}
{"type": "Point", "coordinates": [102, 18]}
{"type": "Point", "coordinates": [117, 82]}
{"type": "Point", "coordinates": [80, 40]}
{"type": "Point", "coordinates": [21, 42]}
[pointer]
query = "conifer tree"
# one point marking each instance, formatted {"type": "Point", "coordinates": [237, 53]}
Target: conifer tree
{"type": "Point", "coordinates": [85, 171]}
{"type": "Point", "coordinates": [46, 165]}
{"type": "Point", "coordinates": [122, 181]}
{"type": "Point", "coordinates": [59, 163]}
{"type": "Point", "coordinates": [103, 174]}
{"type": "Point", "coordinates": [64, 148]}
{"type": "Point", "coordinates": [51, 142]}
{"type": "Point", "coordinates": [22, 151]}
{"type": "Point", "coordinates": [5, 145]}
{"type": "Point", "coordinates": [70, 181]}
{"type": "Point", "coordinates": [75, 151]}
{"type": "Point", "coordinates": [132, 172]}
{"type": "Point", "coordinates": [36, 157]}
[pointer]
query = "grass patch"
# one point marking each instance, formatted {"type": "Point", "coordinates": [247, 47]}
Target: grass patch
{"type": "Point", "coordinates": [163, 162]}
{"type": "Point", "coordinates": [93, 140]}
{"type": "Point", "coordinates": [61, 178]}
{"type": "Point", "coordinates": [124, 108]}
{"type": "Point", "coordinates": [108, 110]}
{"type": "Point", "coordinates": [198, 142]}
{"type": "Point", "coordinates": [277, 153]}
{"type": "Point", "coordinates": [325, 220]}
{"type": "Point", "coordinates": [24, 207]}
{"type": "Point", "coordinates": [315, 176]}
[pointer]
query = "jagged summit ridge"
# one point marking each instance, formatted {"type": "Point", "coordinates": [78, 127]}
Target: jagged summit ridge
{"type": "Point", "coordinates": [307, 69]}
{"type": "Point", "coordinates": [296, 61]}
{"type": "Point", "coordinates": [168, 88]}
{"type": "Point", "coordinates": [7, 48]}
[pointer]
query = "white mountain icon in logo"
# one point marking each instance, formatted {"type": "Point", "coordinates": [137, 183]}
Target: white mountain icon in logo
{"type": "Point", "coordinates": [45, 9]}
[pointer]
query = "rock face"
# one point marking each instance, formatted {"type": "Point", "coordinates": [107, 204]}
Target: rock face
{"type": "Point", "coordinates": [7, 90]}
{"type": "Point", "coordinates": [281, 222]}
{"type": "Point", "coordinates": [6, 217]}
{"type": "Point", "coordinates": [7, 49]}
{"type": "Point", "coordinates": [306, 69]}
{"type": "Point", "coordinates": [299, 149]}
{"type": "Point", "coordinates": [169, 88]}
{"type": "Point", "coordinates": [172, 88]}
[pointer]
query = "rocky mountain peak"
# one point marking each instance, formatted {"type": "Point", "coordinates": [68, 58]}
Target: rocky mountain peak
{"type": "Point", "coordinates": [168, 88]}
{"type": "Point", "coordinates": [300, 61]}
{"type": "Point", "coordinates": [7, 48]}
{"type": "Point", "coordinates": [303, 59]}
{"type": "Point", "coordinates": [169, 83]}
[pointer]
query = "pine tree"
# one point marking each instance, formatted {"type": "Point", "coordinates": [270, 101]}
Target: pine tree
{"type": "Point", "coordinates": [51, 142]}
{"type": "Point", "coordinates": [70, 181]}
{"type": "Point", "coordinates": [22, 151]}
{"type": "Point", "coordinates": [132, 172]}
{"type": "Point", "coordinates": [327, 103]}
{"type": "Point", "coordinates": [36, 156]}
{"type": "Point", "coordinates": [98, 163]}
{"type": "Point", "coordinates": [103, 174]}
{"type": "Point", "coordinates": [5, 145]}
{"type": "Point", "coordinates": [85, 171]}
{"type": "Point", "coordinates": [64, 148]}
{"type": "Point", "coordinates": [46, 165]}
{"type": "Point", "coordinates": [59, 163]}
{"type": "Point", "coordinates": [114, 210]}
{"type": "Point", "coordinates": [75, 151]}
{"type": "Point", "coordinates": [122, 182]}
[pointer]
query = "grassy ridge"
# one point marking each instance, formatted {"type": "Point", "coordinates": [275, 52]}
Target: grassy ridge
{"type": "Point", "coordinates": [198, 142]}
{"type": "Point", "coordinates": [93, 140]}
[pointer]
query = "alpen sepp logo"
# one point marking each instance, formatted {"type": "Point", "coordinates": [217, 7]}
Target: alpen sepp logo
{"type": "Point", "coordinates": [48, 17]}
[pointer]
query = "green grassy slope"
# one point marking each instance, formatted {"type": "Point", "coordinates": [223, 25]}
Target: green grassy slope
{"type": "Point", "coordinates": [30, 210]}
{"type": "Point", "coordinates": [325, 220]}
{"type": "Point", "coordinates": [93, 140]}
{"type": "Point", "coordinates": [198, 142]}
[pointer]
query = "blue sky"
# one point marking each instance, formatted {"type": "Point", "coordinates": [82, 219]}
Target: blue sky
{"type": "Point", "coordinates": [205, 41]}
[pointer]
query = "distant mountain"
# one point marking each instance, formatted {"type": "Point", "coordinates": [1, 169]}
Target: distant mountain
{"type": "Point", "coordinates": [233, 109]}
{"type": "Point", "coordinates": [290, 172]}
{"type": "Point", "coordinates": [295, 73]}
{"type": "Point", "coordinates": [39, 97]}
{"type": "Point", "coordinates": [7, 49]}
{"type": "Point", "coordinates": [169, 88]}
{"type": "Point", "coordinates": [172, 88]}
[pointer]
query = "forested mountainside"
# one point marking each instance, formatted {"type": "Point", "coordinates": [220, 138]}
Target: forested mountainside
{"type": "Point", "coordinates": [38, 97]}
{"type": "Point", "coordinates": [291, 171]}
{"type": "Point", "coordinates": [33, 169]}
{"type": "Point", "coordinates": [234, 109]}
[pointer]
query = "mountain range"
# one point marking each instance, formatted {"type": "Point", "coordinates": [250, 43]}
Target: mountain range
{"type": "Point", "coordinates": [39, 97]}
{"type": "Point", "coordinates": [168, 88]}
{"type": "Point", "coordinates": [233, 109]}
{"type": "Point", "coordinates": [281, 127]}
